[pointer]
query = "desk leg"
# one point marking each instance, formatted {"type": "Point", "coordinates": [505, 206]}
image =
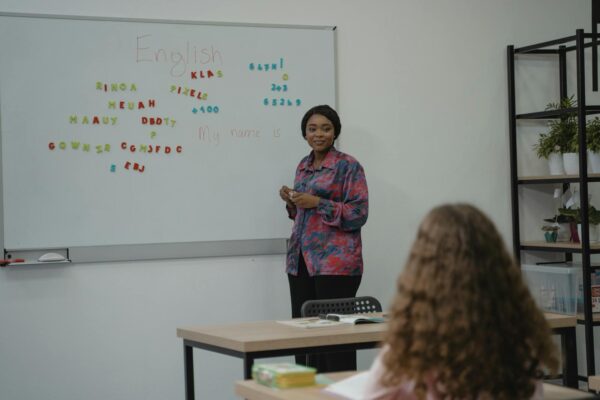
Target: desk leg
{"type": "Point", "coordinates": [188, 365]}
{"type": "Point", "coordinates": [248, 361]}
{"type": "Point", "coordinates": [569, 362]}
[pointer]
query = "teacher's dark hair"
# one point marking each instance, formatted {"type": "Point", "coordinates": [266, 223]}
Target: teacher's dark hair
{"type": "Point", "coordinates": [328, 113]}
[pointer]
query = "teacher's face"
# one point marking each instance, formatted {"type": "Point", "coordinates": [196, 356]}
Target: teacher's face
{"type": "Point", "coordinates": [319, 133]}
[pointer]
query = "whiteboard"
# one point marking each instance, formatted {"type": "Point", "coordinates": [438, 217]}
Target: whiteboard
{"type": "Point", "coordinates": [119, 132]}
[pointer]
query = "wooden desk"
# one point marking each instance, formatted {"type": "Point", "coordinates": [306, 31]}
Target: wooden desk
{"type": "Point", "coordinates": [253, 340]}
{"type": "Point", "coordinates": [564, 325]}
{"type": "Point", "coordinates": [263, 339]}
{"type": "Point", "coordinates": [253, 391]}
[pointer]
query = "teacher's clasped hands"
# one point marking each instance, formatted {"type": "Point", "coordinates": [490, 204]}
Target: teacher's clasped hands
{"type": "Point", "coordinates": [298, 199]}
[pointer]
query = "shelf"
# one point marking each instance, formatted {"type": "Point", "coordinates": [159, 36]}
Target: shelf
{"type": "Point", "coordinates": [545, 179]}
{"type": "Point", "coordinates": [595, 318]}
{"type": "Point", "coordinates": [541, 48]}
{"type": "Point", "coordinates": [557, 49]}
{"type": "Point", "coordinates": [566, 247]}
{"type": "Point", "coordinates": [554, 114]}
{"type": "Point", "coordinates": [538, 46]}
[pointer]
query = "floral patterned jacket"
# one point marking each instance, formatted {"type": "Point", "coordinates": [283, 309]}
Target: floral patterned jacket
{"type": "Point", "coordinates": [328, 236]}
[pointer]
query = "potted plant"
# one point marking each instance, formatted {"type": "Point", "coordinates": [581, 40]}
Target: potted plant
{"type": "Point", "coordinates": [567, 230]}
{"type": "Point", "coordinates": [592, 131]}
{"type": "Point", "coordinates": [593, 221]}
{"type": "Point", "coordinates": [571, 155]}
{"type": "Point", "coordinates": [548, 147]}
{"type": "Point", "coordinates": [558, 140]}
{"type": "Point", "coordinates": [566, 128]}
{"type": "Point", "coordinates": [550, 233]}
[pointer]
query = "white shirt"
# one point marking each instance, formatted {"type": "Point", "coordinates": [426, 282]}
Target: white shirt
{"type": "Point", "coordinates": [374, 390]}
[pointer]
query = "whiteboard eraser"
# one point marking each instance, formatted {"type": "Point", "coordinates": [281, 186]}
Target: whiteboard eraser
{"type": "Point", "coordinates": [51, 257]}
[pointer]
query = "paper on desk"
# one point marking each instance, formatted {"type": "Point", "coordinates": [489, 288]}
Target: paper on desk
{"type": "Point", "coordinates": [310, 323]}
{"type": "Point", "coordinates": [352, 388]}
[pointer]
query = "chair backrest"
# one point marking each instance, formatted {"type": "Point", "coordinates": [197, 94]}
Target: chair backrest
{"type": "Point", "coordinates": [348, 305]}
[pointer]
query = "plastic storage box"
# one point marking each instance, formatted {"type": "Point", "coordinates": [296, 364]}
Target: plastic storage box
{"type": "Point", "coordinates": [556, 287]}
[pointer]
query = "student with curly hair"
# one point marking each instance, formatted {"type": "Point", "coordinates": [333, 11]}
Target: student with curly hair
{"type": "Point", "coordinates": [463, 324]}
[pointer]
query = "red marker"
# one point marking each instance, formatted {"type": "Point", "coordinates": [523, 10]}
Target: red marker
{"type": "Point", "coordinates": [4, 263]}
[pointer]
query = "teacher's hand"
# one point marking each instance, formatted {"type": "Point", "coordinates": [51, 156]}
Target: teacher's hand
{"type": "Point", "coordinates": [304, 200]}
{"type": "Point", "coordinates": [284, 193]}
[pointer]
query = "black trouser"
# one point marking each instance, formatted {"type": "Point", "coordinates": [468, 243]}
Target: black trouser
{"type": "Point", "coordinates": [305, 287]}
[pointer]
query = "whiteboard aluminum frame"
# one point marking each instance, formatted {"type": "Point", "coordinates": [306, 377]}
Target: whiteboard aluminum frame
{"type": "Point", "coordinates": [164, 21]}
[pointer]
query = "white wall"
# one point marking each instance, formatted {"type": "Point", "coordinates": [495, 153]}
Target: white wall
{"type": "Point", "coordinates": [423, 101]}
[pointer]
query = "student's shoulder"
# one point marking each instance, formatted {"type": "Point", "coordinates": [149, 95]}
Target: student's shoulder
{"type": "Point", "coordinates": [375, 390]}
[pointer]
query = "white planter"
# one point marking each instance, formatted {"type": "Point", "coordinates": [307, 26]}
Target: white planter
{"type": "Point", "coordinates": [571, 161]}
{"type": "Point", "coordinates": [564, 232]}
{"type": "Point", "coordinates": [594, 162]}
{"type": "Point", "coordinates": [555, 163]}
{"type": "Point", "coordinates": [593, 233]}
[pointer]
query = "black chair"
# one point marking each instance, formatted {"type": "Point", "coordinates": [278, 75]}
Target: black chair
{"type": "Point", "coordinates": [340, 361]}
{"type": "Point", "coordinates": [349, 305]}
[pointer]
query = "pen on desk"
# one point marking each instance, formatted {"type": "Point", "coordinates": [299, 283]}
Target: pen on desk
{"type": "Point", "coordinates": [330, 317]}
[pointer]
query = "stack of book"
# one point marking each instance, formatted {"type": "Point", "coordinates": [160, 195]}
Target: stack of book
{"type": "Point", "coordinates": [283, 375]}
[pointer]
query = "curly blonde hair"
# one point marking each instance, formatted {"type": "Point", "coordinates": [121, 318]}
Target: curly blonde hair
{"type": "Point", "coordinates": [463, 316]}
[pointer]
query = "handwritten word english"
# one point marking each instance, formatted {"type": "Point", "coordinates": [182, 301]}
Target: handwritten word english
{"type": "Point", "coordinates": [130, 105]}
{"type": "Point", "coordinates": [96, 120]}
{"type": "Point", "coordinates": [179, 59]}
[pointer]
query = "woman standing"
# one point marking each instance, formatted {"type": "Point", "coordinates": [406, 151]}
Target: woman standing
{"type": "Point", "coordinates": [329, 205]}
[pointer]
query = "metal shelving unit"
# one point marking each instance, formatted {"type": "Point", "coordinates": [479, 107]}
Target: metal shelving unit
{"type": "Point", "coordinates": [559, 48]}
